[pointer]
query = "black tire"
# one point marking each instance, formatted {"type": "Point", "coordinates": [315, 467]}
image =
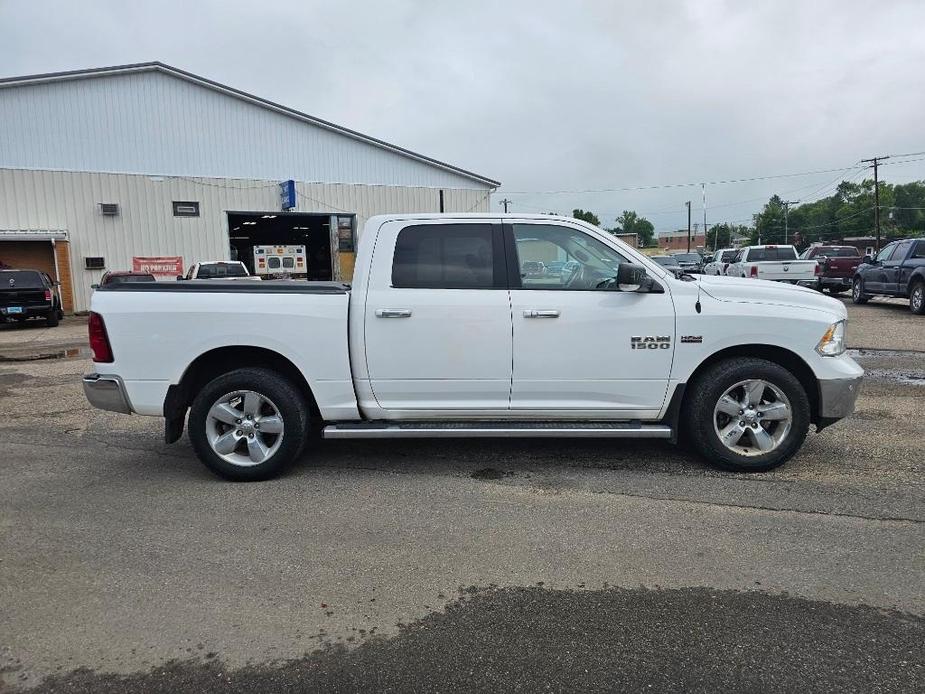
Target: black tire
{"type": "Point", "coordinates": [917, 298]}
{"type": "Point", "coordinates": [857, 292]}
{"type": "Point", "coordinates": [705, 392]}
{"type": "Point", "coordinates": [51, 319]}
{"type": "Point", "coordinates": [283, 395]}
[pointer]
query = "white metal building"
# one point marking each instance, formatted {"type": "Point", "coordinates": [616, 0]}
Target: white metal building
{"type": "Point", "coordinates": [102, 169]}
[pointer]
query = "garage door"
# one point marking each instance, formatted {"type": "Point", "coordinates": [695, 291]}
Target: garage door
{"type": "Point", "coordinates": [40, 255]}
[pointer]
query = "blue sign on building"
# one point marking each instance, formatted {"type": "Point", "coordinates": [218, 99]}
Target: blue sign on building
{"type": "Point", "coordinates": [287, 195]}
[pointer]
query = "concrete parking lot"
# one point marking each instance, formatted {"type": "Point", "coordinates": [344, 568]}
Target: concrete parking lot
{"type": "Point", "coordinates": [476, 565]}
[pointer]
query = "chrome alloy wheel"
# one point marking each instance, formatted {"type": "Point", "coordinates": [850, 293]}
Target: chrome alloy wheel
{"type": "Point", "coordinates": [752, 417]}
{"type": "Point", "coordinates": [917, 298]}
{"type": "Point", "coordinates": [244, 428]}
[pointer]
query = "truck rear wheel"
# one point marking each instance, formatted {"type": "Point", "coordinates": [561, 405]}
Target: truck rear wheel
{"type": "Point", "coordinates": [248, 424]}
{"type": "Point", "coordinates": [917, 298]}
{"type": "Point", "coordinates": [747, 415]}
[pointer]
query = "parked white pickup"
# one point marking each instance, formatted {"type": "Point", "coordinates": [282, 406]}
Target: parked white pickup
{"type": "Point", "coordinates": [446, 332]}
{"type": "Point", "coordinates": [777, 263]}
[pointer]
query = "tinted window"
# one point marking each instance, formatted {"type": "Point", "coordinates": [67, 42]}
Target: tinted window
{"type": "Point", "coordinates": [765, 254]}
{"type": "Point", "coordinates": [446, 256]}
{"type": "Point", "coordinates": [902, 250]}
{"type": "Point", "coordinates": [728, 256]}
{"type": "Point", "coordinates": [840, 252]}
{"type": "Point", "coordinates": [919, 251]}
{"type": "Point", "coordinates": [586, 261]}
{"type": "Point", "coordinates": [221, 270]}
{"type": "Point", "coordinates": [664, 260]}
{"type": "Point", "coordinates": [688, 257]}
{"type": "Point", "coordinates": [22, 279]}
{"type": "Point", "coordinates": [129, 279]}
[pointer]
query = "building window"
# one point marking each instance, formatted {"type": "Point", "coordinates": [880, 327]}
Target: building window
{"type": "Point", "coordinates": [94, 263]}
{"type": "Point", "coordinates": [185, 209]}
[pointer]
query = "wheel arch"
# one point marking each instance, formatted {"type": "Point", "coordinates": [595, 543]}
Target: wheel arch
{"type": "Point", "coordinates": [773, 353]}
{"type": "Point", "coordinates": [221, 360]}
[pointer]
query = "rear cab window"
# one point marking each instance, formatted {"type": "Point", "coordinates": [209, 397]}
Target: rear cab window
{"type": "Point", "coordinates": [449, 256]}
{"type": "Point", "coordinates": [21, 279]}
{"type": "Point", "coordinates": [757, 255]}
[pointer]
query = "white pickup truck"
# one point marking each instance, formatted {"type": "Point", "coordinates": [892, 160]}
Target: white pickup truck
{"type": "Point", "coordinates": [777, 263]}
{"type": "Point", "coordinates": [445, 334]}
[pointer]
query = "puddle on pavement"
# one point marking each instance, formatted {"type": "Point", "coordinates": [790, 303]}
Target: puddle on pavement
{"type": "Point", "coordinates": [82, 352]}
{"type": "Point", "coordinates": [891, 365]}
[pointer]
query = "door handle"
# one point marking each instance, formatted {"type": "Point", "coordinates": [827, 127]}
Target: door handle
{"type": "Point", "coordinates": [536, 313]}
{"type": "Point", "coordinates": [393, 313]}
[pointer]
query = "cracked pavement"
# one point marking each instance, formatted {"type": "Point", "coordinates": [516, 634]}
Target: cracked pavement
{"type": "Point", "coordinates": [441, 565]}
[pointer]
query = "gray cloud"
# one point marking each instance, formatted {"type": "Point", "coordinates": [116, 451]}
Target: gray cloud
{"type": "Point", "coordinates": [547, 95]}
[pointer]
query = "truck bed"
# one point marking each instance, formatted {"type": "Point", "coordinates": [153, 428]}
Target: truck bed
{"type": "Point", "coordinates": [232, 287]}
{"type": "Point", "coordinates": [158, 329]}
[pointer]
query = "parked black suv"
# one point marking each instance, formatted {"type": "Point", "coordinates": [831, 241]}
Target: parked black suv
{"type": "Point", "coordinates": [29, 294]}
{"type": "Point", "coordinates": [898, 270]}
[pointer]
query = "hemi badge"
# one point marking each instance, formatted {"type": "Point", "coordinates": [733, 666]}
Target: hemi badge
{"type": "Point", "coordinates": [692, 339]}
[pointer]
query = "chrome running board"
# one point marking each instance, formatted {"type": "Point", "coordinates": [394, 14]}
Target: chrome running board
{"type": "Point", "coordinates": [456, 429]}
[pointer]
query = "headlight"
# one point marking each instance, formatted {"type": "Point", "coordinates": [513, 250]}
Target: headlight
{"type": "Point", "coordinates": [833, 342]}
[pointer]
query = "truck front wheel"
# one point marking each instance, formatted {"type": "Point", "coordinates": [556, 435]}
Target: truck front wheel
{"type": "Point", "coordinates": [747, 415]}
{"type": "Point", "coordinates": [248, 424]}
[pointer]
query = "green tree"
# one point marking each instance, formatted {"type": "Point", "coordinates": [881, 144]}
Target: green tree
{"type": "Point", "coordinates": [588, 217]}
{"type": "Point", "coordinates": [631, 223]}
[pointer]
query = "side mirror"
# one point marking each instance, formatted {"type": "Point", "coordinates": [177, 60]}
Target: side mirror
{"type": "Point", "coordinates": [94, 286]}
{"type": "Point", "coordinates": [179, 278]}
{"type": "Point", "coordinates": [630, 277]}
{"type": "Point", "coordinates": [866, 260]}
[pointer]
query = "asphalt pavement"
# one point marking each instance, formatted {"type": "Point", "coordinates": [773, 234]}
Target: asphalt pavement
{"type": "Point", "coordinates": [461, 565]}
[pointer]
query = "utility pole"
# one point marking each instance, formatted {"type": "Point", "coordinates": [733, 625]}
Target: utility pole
{"type": "Point", "coordinates": [875, 162]}
{"type": "Point", "coordinates": [688, 203]}
{"type": "Point", "coordinates": [505, 202]}
{"type": "Point", "coordinates": [787, 204]}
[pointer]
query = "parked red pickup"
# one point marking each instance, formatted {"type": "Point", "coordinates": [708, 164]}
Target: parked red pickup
{"type": "Point", "coordinates": [836, 266]}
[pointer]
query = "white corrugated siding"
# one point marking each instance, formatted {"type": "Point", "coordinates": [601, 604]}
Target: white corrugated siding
{"type": "Point", "coordinates": [146, 225]}
{"type": "Point", "coordinates": [156, 123]}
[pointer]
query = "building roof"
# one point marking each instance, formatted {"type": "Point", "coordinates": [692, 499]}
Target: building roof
{"type": "Point", "coordinates": [163, 68]}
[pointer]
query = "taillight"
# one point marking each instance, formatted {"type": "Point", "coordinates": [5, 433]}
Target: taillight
{"type": "Point", "coordinates": [99, 340]}
{"type": "Point", "coordinates": [754, 271]}
{"type": "Point", "coordinates": [818, 269]}
{"type": "Point", "coordinates": [47, 295]}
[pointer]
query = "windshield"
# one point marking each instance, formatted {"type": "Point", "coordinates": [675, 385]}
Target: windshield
{"type": "Point", "coordinates": [664, 260]}
{"type": "Point", "coordinates": [728, 256]}
{"type": "Point", "coordinates": [20, 279]}
{"type": "Point", "coordinates": [687, 257]}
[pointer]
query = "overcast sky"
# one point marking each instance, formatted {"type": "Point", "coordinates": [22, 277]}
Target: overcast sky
{"type": "Point", "coordinates": [549, 96]}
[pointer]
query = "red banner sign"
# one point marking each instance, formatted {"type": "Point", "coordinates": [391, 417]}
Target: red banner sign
{"type": "Point", "coordinates": [159, 265]}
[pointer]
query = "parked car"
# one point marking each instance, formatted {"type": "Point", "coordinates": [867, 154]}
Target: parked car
{"type": "Point", "coordinates": [437, 339]}
{"type": "Point", "coordinates": [123, 277]}
{"type": "Point", "coordinates": [29, 294]}
{"type": "Point", "coordinates": [837, 265]}
{"type": "Point", "coordinates": [776, 263]}
{"type": "Point", "coordinates": [689, 262]}
{"type": "Point", "coordinates": [898, 270]}
{"type": "Point", "coordinates": [219, 270]}
{"type": "Point", "coordinates": [719, 261]}
{"type": "Point", "coordinates": [669, 263]}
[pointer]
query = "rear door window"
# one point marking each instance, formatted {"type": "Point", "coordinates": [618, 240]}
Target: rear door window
{"type": "Point", "coordinates": [766, 254]}
{"type": "Point", "coordinates": [901, 251]}
{"type": "Point", "coordinates": [449, 256]}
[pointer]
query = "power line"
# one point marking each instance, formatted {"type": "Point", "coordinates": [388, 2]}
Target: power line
{"type": "Point", "coordinates": [678, 185]}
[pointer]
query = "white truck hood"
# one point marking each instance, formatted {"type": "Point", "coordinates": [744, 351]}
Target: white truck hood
{"type": "Point", "coordinates": [752, 291]}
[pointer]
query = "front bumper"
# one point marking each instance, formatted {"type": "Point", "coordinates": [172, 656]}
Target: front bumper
{"type": "Point", "coordinates": [836, 398]}
{"type": "Point", "coordinates": [106, 392]}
